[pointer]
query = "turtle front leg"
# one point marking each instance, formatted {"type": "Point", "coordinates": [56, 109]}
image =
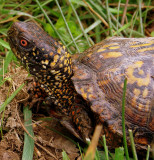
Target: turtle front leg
{"type": "Point", "coordinates": [81, 120]}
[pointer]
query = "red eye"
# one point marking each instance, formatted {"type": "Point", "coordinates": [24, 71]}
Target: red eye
{"type": "Point", "coordinates": [23, 42]}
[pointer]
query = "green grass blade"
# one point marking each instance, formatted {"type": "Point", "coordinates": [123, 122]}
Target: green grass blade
{"type": "Point", "coordinates": [119, 153]}
{"type": "Point", "coordinates": [132, 145]}
{"type": "Point", "coordinates": [133, 20]}
{"type": "Point", "coordinates": [105, 148]}
{"type": "Point", "coordinates": [109, 18]}
{"type": "Point", "coordinates": [48, 19]}
{"type": "Point", "coordinates": [118, 14]}
{"type": "Point", "coordinates": [65, 156]}
{"type": "Point", "coordinates": [140, 15]}
{"type": "Point", "coordinates": [84, 33]}
{"type": "Point", "coordinates": [87, 30]}
{"type": "Point", "coordinates": [148, 153]}
{"type": "Point", "coordinates": [122, 28]}
{"type": "Point", "coordinates": [4, 44]}
{"type": "Point", "coordinates": [67, 26]}
{"type": "Point", "coordinates": [123, 120]}
{"type": "Point", "coordinates": [146, 12]}
{"type": "Point", "coordinates": [8, 100]}
{"type": "Point", "coordinates": [28, 141]}
{"type": "Point", "coordinates": [7, 61]}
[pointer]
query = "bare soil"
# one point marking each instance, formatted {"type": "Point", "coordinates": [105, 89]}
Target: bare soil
{"type": "Point", "coordinates": [12, 139]}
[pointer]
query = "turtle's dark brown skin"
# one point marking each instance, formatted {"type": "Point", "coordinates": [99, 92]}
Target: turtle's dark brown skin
{"type": "Point", "coordinates": [93, 84]}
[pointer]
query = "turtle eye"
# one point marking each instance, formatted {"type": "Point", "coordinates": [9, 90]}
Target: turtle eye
{"type": "Point", "coordinates": [23, 42]}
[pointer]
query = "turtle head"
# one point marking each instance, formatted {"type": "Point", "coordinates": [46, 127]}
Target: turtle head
{"type": "Point", "coordinates": [38, 52]}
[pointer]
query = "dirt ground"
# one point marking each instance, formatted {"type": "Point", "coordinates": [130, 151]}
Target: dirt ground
{"type": "Point", "coordinates": [12, 141]}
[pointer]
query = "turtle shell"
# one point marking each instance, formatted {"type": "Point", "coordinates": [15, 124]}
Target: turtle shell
{"type": "Point", "coordinates": [99, 77]}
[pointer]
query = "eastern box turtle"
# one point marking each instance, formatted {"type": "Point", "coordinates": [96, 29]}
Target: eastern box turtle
{"type": "Point", "coordinates": [88, 90]}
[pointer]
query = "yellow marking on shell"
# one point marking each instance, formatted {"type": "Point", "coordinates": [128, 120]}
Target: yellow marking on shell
{"type": "Point", "coordinates": [140, 45]}
{"type": "Point", "coordinates": [141, 72]}
{"type": "Point", "coordinates": [133, 42]}
{"type": "Point", "coordinates": [136, 92]}
{"type": "Point", "coordinates": [37, 53]}
{"type": "Point", "coordinates": [100, 50]}
{"type": "Point", "coordinates": [116, 47]}
{"type": "Point", "coordinates": [140, 107]}
{"type": "Point", "coordinates": [59, 50]}
{"type": "Point", "coordinates": [83, 93]}
{"type": "Point", "coordinates": [147, 106]}
{"type": "Point", "coordinates": [51, 53]}
{"type": "Point", "coordinates": [104, 82]}
{"type": "Point", "coordinates": [111, 55]}
{"type": "Point", "coordinates": [24, 57]}
{"type": "Point", "coordinates": [132, 79]}
{"type": "Point", "coordinates": [43, 49]}
{"type": "Point", "coordinates": [145, 93]}
{"type": "Point", "coordinates": [108, 45]}
{"type": "Point", "coordinates": [146, 49]}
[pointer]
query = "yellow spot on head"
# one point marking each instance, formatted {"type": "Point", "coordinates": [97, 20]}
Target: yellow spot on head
{"type": "Point", "coordinates": [42, 49]}
{"type": "Point", "coordinates": [34, 54]}
{"type": "Point", "coordinates": [65, 69]}
{"type": "Point", "coordinates": [34, 48]}
{"type": "Point", "coordinates": [59, 50]}
{"type": "Point", "coordinates": [56, 57]}
{"type": "Point", "coordinates": [62, 58]}
{"type": "Point", "coordinates": [52, 64]}
{"type": "Point", "coordinates": [51, 53]}
{"type": "Point", "coordinates": [61, 65]}
{"type": "Point", "coordinates": [45, 62]}
{"type": "Point", "coordinates": [65, 62]}
{"type": "Point", "coordinates": [64, 47]}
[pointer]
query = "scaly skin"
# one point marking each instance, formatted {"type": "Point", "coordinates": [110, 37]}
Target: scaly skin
{"type": "Point", "coordinates": [50, 63]}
